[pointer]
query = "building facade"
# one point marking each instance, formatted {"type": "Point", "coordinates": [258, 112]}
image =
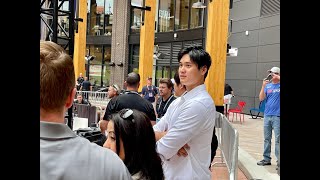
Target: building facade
{"type": "Point", "coordinates": [113, 38]}
{"type": "Point", "coordinates": [256, 34]}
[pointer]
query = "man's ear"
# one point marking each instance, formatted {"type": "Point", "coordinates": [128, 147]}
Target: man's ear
{"type": "Point", "coordinates": [203, 70]}
{"type": "Point", "coordinates": [70, 98]}
{"type": "Point", "coordinates": [180, 86]}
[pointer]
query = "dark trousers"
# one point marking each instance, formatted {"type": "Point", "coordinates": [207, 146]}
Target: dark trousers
{"type": "Point", "coordinates": [214, 145]}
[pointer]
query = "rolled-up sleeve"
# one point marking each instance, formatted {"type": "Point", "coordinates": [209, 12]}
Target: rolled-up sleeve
{"type": "Point", "coordinates": [190, 120]}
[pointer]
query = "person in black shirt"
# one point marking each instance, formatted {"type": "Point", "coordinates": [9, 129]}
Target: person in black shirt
{"type": "Point", "coordinates": [129, 99]}
{"type": "Point", "coordinates": [80, 100]}
{"type": "Point", "coordinates": [166, 96]}
{"type": "Point", "coordinates": [228, 90]}
{"type": "Point", "coordinates": [228, 94]}
{"type": "Point", "coordinates": [86, 86]}
{"type": "Point", "coordinates": [79, 81]}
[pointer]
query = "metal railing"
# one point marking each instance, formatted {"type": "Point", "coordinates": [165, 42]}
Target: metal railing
{"type": "Point", "coordinates": [228, 142]}
{"type": "Point", "coordinates": [95, 98]}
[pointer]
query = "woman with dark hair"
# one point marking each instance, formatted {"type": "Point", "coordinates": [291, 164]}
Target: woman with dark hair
{"type": "Point", "coordinates": [131, 136]}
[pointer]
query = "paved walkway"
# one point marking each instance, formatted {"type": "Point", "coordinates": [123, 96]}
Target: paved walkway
{"type": "Point", "coordinates": [250, 152]}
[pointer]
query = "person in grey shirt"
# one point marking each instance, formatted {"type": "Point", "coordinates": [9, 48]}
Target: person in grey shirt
{"type": "Point", "coordinates": [63, 154]}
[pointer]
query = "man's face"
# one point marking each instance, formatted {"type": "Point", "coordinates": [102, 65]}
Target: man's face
{"type": "Point", "coordinates": [149, 82]}
{"type": "Point", "coordinates": [79, 99]}
{"type": "Point", "coordinates": [111, 92]}
{"type": "Point", "coordinates": [164, 90]}
{"type": "Point", "coordinates": [189, 74]}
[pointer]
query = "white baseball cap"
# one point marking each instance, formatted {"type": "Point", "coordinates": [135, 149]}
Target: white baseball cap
{"type": "Point", "coordinates": [274, 70]}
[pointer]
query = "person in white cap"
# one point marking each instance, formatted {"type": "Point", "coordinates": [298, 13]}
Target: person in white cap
{"type": "Point", "coordinates": [270, 91]}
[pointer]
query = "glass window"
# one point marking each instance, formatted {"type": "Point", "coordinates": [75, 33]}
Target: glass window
{"type": "Point", "coordinates": [63, 21]}
{"type": "Point", "coordinates": [156, 16]}
{"type": "Point", "coordinates": [106, 66]}
{"type": "Point", "coordinates": [161, 72]}
{"type": "Point", "coordinates": [134, 60]}
{"type": "Point", "coordinates": [166, 15]}
{"type": "Point", "coordinates": [106, 75]}
{"type": "Point", "coordinates": [138, 3]}
{"type": "Point", "coordinates": [88, 16]}
{"type": "Point", "coordinates": [174, 70]}
{"type": "Point", "coordinates": [95, 66]}
{"type": "Point", "coordinates": [182, 14]}
{"type": "Point", "coordinates": [108, 17]}
{"type": "Point", "coordinates": [136, 20]}
{"type": "Point", "coordinates": [96, 17]}
{"type": "Point", "coordinates": [196, 17]}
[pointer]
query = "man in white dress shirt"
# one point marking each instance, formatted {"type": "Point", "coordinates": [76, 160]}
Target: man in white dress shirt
{"type": "Point", "coordinates": [184, 133]}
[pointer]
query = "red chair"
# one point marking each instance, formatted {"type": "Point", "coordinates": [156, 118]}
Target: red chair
{"type": "Point", "coordinates": [237, 110]}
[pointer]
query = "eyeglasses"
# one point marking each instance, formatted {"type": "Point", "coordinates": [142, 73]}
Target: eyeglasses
{"type": "Point", "coordinates": [126, 114]}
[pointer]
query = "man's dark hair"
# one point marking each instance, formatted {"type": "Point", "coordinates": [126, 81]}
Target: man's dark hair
{"type": "Point", "coordinates": [133, 79]}
{"type": "Point", "coordinates": [197, 55]}
{"type": "Point", "coordinates": [176, 78]}
{"type": "Point", "coordinates": [139, 144]}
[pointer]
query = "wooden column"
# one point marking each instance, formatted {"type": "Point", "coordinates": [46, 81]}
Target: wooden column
{"type": "Point", "coordinates": [80, 41]}
{"type": "Point", "coordinates": [216, 46]}
{"type": "Point", "coordinates": [147, 43]}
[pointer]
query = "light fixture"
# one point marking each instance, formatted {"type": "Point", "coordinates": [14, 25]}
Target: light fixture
{"type": "Point", "coordinates": [120, 64]}
{"type": "Point", "coordinates": [198, 5]}
{"type": "Point", "coordinates": [112, 64]}
{"type": "Point", "coordinates": [89, 58]}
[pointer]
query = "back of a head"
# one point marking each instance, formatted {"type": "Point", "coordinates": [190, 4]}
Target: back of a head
{"type": "Point", "coordinates": [133, 79]}
{"type": "Point", "coordinates": [116, 88]}
{"type": "Point", "coordinates": [139, 144]}
{"type": "Point", "coordinates": [176, 78]}
{"type": "Point", "coordinates": [56, 76]}
{"type": "Point", "coordinates": [197, 55]}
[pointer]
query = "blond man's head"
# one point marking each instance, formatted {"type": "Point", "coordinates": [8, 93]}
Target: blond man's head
{"type": "Point", "coordinates": [56, 77]}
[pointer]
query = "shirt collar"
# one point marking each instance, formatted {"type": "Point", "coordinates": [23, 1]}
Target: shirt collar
{"type": "Point", "coordinates": [50, 130]}
{"type": "Point", "coordinates": [193, 92]}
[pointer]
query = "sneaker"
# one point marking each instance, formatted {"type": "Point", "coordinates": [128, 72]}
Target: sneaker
{"type": "Point", "coordinates": [263, 163]}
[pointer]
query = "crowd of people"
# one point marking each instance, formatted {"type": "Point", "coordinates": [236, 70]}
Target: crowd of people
{"type": "Point", "coordinates": [159, 134]}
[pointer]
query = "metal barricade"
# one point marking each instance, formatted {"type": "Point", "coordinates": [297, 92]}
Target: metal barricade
{"type": "Point", "coordinates": [95, 98]}
{"type": "Point", "coordinates": [228, 142]}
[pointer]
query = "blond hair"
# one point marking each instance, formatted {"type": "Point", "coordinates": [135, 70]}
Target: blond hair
{"type": "Point", "coordinates": [56, 76]}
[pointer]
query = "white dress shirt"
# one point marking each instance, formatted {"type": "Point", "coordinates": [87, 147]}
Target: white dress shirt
{"type": "Point", "coordinates": [189, 120]}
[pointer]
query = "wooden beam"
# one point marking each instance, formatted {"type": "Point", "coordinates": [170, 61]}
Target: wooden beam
{"type": "Point", "coordinates": [80, 41]}
{"type": "Point", "coordinates": [147, 43]}
{"type": "Point", "coordinates": [216, 46]}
